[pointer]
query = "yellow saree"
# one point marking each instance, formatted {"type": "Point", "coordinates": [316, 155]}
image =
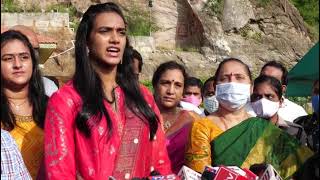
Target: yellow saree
{"type": "Point", "coordinates": [29, 138]}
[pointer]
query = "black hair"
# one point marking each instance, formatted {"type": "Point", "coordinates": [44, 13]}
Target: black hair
{"type": "Point", "coordinates": [36, 96]}
{"type": "Point", "coordinates": [89, 85]}
{"type": "Point", "coordinates": [136, 55]}
{"type": "Point", "coordinates": [315, 87]}
{"type": "Point", "coordinates": [280, 66]}
{"type": "Point", "coordinates": [246, 67]}
{"type": "Point", "coordinates": [274, 82]}
{"type": "Point", "coordinates": [205, 84]}
{"type": "Point", "coordinates": [170, 65]}
{"type": "Point", "coordinates": [193, 81]}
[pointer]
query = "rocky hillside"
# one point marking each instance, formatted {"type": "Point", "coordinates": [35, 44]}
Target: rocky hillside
{"type": "Point", "coordinates": [200, 33]}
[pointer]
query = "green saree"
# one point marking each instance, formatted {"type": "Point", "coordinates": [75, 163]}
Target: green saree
{"type": "Point", "coordinates": [256, 141]}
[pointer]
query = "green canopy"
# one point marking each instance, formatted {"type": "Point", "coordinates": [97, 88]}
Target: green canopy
{"type": "Point", "coordinates": [304, 73]}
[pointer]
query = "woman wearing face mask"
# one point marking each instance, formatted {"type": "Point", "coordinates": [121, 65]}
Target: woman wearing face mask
{"type": "Point", "coordinates": [168, 83]}
{"type": "Point", "coordinates": [230, 136]}
{"type": "Point", "coordinates": [210, 101]}
{"type": "Point", "coordinates": [266, 101]}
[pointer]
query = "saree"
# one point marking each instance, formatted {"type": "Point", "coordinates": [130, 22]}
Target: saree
{"type": "Point", "coordinates": [29, 138]}
{"type": "Point", "coordinates": [176, 142]}
{"type": "Point", "coordinates": [128, 153]}
{"type": "Point", "coordinates": [198, 151]}
{"type": "Point", "coordinates": [257, 141]}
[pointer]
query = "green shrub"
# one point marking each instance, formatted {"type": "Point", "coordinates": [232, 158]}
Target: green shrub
{"type": "Point", "coordinates": [10, 6]}
{"type": "Point", "coordinates": [139, 22]}
{"type": "Point", "coordinates": [263, 3]}
{"type": "Point", "coordinates": [215, 7]}
{"type": "Point", "coordinates": [302, 101]}
{"type": "Point", "coordinates": [309, 10]}
{"type": "Point", "coordinates": [248, 33]}
{"type": "Point", "coordinates": [148, 84]}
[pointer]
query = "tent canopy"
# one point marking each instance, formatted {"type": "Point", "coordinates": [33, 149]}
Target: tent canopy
{"type": "Point", "coordinates": [304, 73]}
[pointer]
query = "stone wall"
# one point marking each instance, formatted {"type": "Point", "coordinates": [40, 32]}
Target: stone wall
{"type": "Point", "coordinates": [39, 21]}
{"type": "Point", "coordinates": [179, 26]}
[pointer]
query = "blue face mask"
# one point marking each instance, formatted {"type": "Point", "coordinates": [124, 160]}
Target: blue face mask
{"type": "Point", "coordinates": [315, 103]}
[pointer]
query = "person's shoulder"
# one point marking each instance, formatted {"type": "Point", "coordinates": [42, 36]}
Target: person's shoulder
{"type": "Point", "coordinates": [7, 140]}
{"type": "Point", "coordinates": [67, 93]}
{"type": "Point", "coordinates": [291, 104]}
{"type": "Point", "coordinates": [294, 125]}
{"type": "Point", "coordinates": [144, 90]}
{"type": "Point", "coordinates": [208, 122]}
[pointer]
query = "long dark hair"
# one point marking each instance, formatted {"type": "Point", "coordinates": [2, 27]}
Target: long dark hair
{"type": "Point", "coordinates": [89, 85]}
{"type": "Point", "coordinates": [36, 94]}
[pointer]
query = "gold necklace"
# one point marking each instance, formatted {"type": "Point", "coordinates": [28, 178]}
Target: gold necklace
{"type": "Point", "coordinates": [166, 125]}
{"type": "Point", "coordinates": [17, 106]}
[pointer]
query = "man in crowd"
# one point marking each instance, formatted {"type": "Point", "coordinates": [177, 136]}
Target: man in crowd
{"type": "Point", "coordinates": [210, 102]}
{"type": "Point", "coordinates": [137, 63]}
{"type": "Point", "coordinates": [192, 97]}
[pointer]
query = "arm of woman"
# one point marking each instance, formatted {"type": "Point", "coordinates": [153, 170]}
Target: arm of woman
{"type": "Point", "coordinates": [59, 138]}
{"type": "Point", "coordinates": [198, 153]}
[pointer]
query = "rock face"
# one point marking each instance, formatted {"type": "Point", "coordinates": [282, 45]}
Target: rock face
{"type": "Point", "coordinates": [190, 34]}
{"type": "Point", "coordinates": [236, 14]}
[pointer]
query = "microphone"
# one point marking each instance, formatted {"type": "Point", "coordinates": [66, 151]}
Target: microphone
{"type": "Point", "coordinates": [167, 177]}
{"type": "Point", "coordinates": [186, 173]}
{"type": "Point", "coordinates": [209, 173]}
{"type": "Point", "coordinates": [270, 174]}
{"type": "Point", "coordinates": [227, 173]}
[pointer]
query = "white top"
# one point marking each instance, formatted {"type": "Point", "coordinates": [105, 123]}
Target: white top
{"type": "Point", "coordinates": [250, 110]}
{"type": "Point", "coordinates": [289, 110]}
{"type": "Point", "coordinates": [49, 86]}
{"type": "Point", "coordinates": [190, 107]}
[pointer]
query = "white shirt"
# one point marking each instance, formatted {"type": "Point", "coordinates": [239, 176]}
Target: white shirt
{"type": "Point", "coordinates": [289, 110]}
{"type": "Point", "coordinates": [190, 107]}
{"type": "Point", "coordinates": [250, 110]}
{"type": "Point", "coordinates": [49, 86]}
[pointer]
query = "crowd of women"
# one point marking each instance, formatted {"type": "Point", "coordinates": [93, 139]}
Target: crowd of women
{"type": "Point", "coordinates": [104, 124]}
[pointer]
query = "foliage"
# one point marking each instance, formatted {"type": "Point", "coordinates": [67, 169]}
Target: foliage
{"type": "Point", "coordinates": [66, 8]}
{"type": "Point", "coordinates": [263, 3]}
{"type": "Point", "coordinates": [140, 22]}
{"type": "Point", "coordinates": [309, 10]}
{"type": "Point", "coordinates": [188, 49]}
{"type": "Point", "coordinates": [248, 33]}
{"type": "Point", "coordinates": [10, 6]}
{"type": "Point", "coordinates": [148, 84]}
{"type": "Point", "coordinates": [302, 101]}
{"type": "Point", "coordinates": [215, 7]}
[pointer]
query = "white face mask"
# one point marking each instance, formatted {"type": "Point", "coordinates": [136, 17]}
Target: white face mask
{"type": "Point", "coordinates": [233, 96]}
{"type": "Point", "coordinates": [265, 108]}
{"type": "Point", "coordinates": [210, 104]}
